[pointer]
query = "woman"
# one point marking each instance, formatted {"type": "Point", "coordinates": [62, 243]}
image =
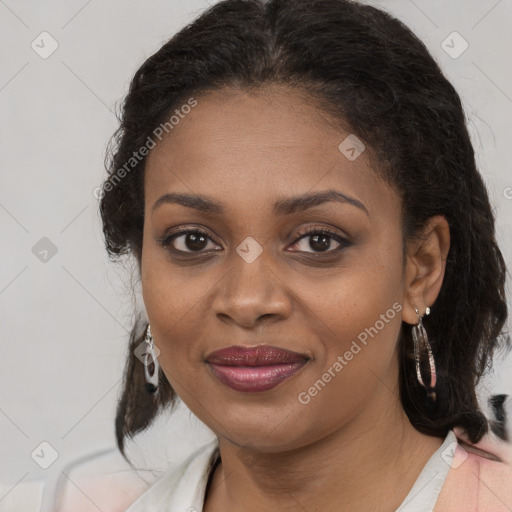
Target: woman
{"type": "Point", "coordinates": [318, 263]}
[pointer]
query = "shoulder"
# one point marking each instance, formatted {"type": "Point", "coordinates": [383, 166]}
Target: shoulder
{"type": "Point", "coordinates": [480, 477]}
{"type": "Point", "coordinates": [22, 496]}
{"type": "Point", "coordinates": [182, 486]}
{"type": "Point", "coordinates": [100, 481]}
{"type": "Point", "coordinates": [108, 484]}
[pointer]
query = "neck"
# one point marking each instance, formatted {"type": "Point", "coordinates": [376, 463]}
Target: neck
{"type": "Point", "coordinates": [379, 450]}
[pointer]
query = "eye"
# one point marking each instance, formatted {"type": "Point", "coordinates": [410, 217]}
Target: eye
{"type": "Point", "coordinates": [191, 240]}
{"type": "Point", "coordinates": [321, 240]}
{"type": "Point", "coordinates": [196, 241]}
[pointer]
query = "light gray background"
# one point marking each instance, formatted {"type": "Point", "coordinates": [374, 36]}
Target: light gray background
{"type": "Point", "coordinates": [64, 321]}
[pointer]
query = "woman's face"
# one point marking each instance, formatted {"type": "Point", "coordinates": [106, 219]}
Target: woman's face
{"type": "Point", "coordinates": [253, 277]}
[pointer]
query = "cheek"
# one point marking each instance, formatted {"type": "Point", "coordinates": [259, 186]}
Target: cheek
{"type": "Point", "coordinates": [173, 308]}
{"type": "Point", "coordinates": [356, 363]}
{"type": "Point", "coordinates": [177, 307]}
{"type": "Point", "coordinates": [357, 316]}
{"type": "Point", "coordinates": [358, 331]}
{"type": "Point", "coordinates": [168, 291]}
{"type": "Point", "coordinates": [356, 297]}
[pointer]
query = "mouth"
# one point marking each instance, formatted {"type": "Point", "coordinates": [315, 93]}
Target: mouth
{"type": "Point", "coordinates": [253, 369]}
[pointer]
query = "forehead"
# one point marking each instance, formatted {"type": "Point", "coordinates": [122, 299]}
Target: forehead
{"type": "Point", "coordinates": [247, 147]}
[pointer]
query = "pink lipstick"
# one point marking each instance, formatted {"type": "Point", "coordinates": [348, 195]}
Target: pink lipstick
{"type": "Point", "coordinates": [255, 368]}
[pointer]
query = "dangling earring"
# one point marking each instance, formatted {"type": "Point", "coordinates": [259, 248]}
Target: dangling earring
{"type": "Point", "coordinates": [420, 338]}
{"type": "Point", "coordinates": [151, 360]}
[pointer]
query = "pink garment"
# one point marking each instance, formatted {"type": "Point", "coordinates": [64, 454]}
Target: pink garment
{"type": "Point", "coordinates": [105, 491]}
{"type": "Point", "coordinates": [480, 479]}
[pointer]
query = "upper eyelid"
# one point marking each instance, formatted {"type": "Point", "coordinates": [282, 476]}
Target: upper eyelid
{"type": "Point", "coordinates": [303, 232]}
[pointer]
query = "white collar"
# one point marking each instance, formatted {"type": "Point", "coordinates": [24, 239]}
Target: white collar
{"type": "Point", "coordinates": [182, 488]}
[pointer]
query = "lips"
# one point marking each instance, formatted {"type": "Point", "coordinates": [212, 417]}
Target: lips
{"type": "Point", "coordinates": [255, 368]}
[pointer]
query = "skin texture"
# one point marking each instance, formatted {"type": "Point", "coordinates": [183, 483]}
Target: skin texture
{"type": "Point", "coordinates": [352, 444]}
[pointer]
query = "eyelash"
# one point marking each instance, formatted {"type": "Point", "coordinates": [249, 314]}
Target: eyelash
{"type": "Point", "coordinates": [166, 242]}
{"type": "Point", "coordinates": [343, 242]}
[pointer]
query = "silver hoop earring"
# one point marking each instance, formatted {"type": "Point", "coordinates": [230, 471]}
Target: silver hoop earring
{"type": "Point", "coordinates": [151, 362]}
{"type": "Point", "coordinates": [421, 343]}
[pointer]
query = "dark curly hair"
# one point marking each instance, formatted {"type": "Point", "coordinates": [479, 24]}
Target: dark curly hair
{"type": "Point", "coordinates": [368, 72]}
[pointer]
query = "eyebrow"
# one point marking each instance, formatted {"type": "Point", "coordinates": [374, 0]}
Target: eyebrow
{"type": "Point", "coordinates": [285, 206]}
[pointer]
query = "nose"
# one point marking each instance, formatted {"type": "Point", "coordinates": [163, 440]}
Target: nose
{"type": "Point", "coordinates": [251, 291]}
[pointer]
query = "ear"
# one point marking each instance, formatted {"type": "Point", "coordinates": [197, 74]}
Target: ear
{"type": "Point", "coordinates": [425, 267]}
